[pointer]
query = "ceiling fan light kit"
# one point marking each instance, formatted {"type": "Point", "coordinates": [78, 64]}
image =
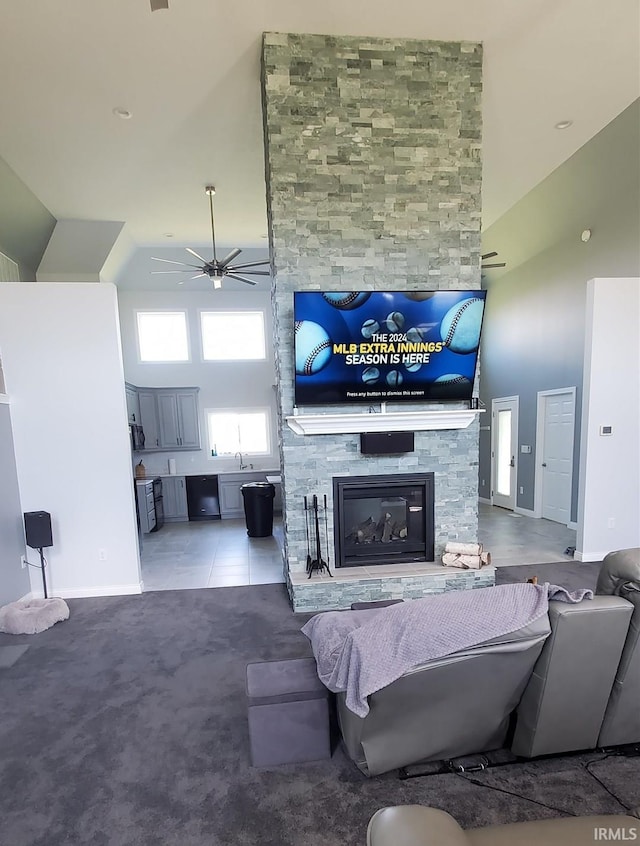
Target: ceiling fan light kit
{"type": "Point", "coordinates": [214, 269]}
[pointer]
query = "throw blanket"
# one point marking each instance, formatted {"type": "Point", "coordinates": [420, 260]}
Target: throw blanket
{"type": "Point", "coordinates": [360, 652]}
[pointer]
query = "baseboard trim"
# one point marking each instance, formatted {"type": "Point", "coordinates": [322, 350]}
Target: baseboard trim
{"type": "Point", "coordinates": [484, 499]}
{"type": "Point", "coordinates": [104, 590]}
{"type": "Point", "coordinates": [580, 555]}
{"type": "Point", "coordinates": [526, 512]}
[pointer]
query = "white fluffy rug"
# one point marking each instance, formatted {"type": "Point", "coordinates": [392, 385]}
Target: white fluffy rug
{"type": "Point", "coordinates": [30, 616]}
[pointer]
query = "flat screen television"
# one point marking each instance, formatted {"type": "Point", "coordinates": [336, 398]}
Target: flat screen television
{"type": "Point", "coordinates": [386, 346]}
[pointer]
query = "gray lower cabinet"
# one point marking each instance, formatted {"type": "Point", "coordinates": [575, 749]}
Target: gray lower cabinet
{"type": "Point", "coordinates": [174, 494]}
{"type": "Point", "coordinates": [146, 506]}
{"type": "Point", "coordinates": [231, 500]}
{"type": "Point", "coordinates": [170, 418]}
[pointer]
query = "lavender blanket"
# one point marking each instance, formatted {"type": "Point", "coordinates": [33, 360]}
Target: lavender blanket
{"type": "Point", "coordinates": [360, 652]}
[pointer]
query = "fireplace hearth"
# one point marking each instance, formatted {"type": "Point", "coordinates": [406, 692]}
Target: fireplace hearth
{"type": "Point", "coordinates": [383, 519]}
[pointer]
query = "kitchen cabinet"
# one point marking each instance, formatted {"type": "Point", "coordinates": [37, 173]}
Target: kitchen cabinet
{"type": "Point", "coordinates": [133, 407]}
{"type": "Point", "coordinates": [175, 498]}
{"type": "Point", "coordinates": [149, 419]}
{"type": "Point", "coordinates": [178, 419]}
{"type": "Point", "coordinates": [170, 418]}
{"type": "Point", "coordinates": [146, 505]}
{"type": "Point", "coordinates": [231, 500]}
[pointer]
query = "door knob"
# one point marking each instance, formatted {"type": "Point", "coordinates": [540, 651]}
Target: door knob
{"type": "Point", "coordinates": [544, 463]}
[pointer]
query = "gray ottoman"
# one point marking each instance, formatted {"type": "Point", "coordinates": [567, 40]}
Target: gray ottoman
{"type": "Point", "coordinates": [288, 712]}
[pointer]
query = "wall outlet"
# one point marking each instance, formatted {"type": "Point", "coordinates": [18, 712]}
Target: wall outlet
{"type": "Point", "coordinates": [521, 489]}
{"type": "Point", "coordinates": [483, 483]}
{"type": "Point", "coordinates": [611, 523]}
{"type": "Point", "coordinates": [23, 561]}
{"type": "Point", "coordinates": [102, 555]}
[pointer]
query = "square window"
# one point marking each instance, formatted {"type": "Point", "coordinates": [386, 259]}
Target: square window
{"type": "Point", "coordinates": [238, 431]}
{"type": "Point", "coordinates": [162, 336]}
{"type": "Point", "coordinates": [233, 335]}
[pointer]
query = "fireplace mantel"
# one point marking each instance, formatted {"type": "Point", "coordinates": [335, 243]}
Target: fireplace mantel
{"type": "Point", "coordinates": [386, 421]}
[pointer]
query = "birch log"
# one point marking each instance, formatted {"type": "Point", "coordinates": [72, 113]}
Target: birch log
{"type": "Point", "coordinates": [463, 548]}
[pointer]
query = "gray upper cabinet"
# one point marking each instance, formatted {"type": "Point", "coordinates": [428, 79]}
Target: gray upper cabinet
{"type": "Point", "coordinates": [133, 407]}
{"type": "Point", "coordinates": [178, 418]}
{"type": "Point", "coordinates": [149, 418]}
{"type": "Point", "coordinates": [170, 418]}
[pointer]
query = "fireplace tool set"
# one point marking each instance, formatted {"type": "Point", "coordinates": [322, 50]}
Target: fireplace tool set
{"type": "Point", "coordinates": [312, 524]}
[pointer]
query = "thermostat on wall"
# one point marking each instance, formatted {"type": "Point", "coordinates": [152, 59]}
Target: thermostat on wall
{"type": "Point", "coordinates": [606, 430]}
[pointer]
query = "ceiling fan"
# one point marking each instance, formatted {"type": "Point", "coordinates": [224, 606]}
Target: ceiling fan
{"type": "Point", "coordinates": [214, 269]}
{"type": "Point", "coordinates": [495, 264]}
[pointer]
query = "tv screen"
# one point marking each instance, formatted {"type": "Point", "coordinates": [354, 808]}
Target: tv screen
{"type": "Point", "coordinates": [386, 346]}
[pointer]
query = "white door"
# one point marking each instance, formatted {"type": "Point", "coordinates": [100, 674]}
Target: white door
{"type": "Point", "coordinates": [556, 454]}
{"type": "Point", "coordinates": [504, 439]}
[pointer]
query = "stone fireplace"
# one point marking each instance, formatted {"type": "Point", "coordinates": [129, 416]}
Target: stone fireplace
{"type": "Point", "coordinates": [373, 169]}
{"type": "Point", "coordinates": [382, 520]}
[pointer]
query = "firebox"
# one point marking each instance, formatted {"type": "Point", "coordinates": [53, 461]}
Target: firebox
{"type": "Point", "coordinates": [383, 519]}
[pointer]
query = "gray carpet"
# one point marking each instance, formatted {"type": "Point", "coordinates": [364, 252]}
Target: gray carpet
{"type": "Point", "coordinates": [126, 726]}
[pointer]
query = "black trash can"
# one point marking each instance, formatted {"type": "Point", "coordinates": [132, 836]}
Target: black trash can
{"type": "Point", "coordinates": [258, 508]}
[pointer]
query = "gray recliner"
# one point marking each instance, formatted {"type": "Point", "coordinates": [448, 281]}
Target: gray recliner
{"type": "Point", "coordinates": [620, 576]}
{"type": "Point", "coordinates": [584, 691]}
{"type": "Point", "coordinates": [446, 708]}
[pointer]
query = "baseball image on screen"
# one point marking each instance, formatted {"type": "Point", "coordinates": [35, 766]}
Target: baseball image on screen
{"type": "Point", "coordinates": [386, 346]}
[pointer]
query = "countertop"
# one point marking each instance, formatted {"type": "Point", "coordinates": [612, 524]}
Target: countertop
{"type": "Point", "coordinates": [247, 472]}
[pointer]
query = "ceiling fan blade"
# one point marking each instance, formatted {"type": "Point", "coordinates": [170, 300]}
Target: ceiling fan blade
{"type": "Point", "coordinates": [489, 266]}
{"type": "Point", "coordinates": [168, 261]}
{"type": "Point", "coordinates": [193, 253]}
{"type": "Point", "coordinates": [252, 264]}
{"type": "Point", "coordinates": [168, 271]}
{"type": "Point", "coordinates": [241, 278]}
{"type": "Point", "coordinates": [235, 268]}
{"type": "Point", "coordinates": [225, 261]}
{"type": "Point", "coordinates": [489, 255]}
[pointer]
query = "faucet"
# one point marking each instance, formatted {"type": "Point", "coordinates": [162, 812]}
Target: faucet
{"type": "Point", "coordinates": [238, 455]}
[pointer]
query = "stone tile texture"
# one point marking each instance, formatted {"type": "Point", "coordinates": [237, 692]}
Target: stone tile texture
{"type": "Point", "coordinates": [373, 169]}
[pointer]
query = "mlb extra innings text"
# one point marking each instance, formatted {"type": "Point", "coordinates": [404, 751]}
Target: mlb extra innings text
{"type": "Point", "coordinates": [388, 349]}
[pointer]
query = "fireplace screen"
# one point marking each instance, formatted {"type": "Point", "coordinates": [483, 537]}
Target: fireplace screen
{"type": "Point", "coordinates": [383, 519]}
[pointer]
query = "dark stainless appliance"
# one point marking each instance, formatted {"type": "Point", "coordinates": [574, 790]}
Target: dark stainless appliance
{"type": "Point", "coordinates": [202, 498]}
{"type": "Point", "coordinates": [158, 504]}
{"type": "Point", "coordinates": [137, 437]}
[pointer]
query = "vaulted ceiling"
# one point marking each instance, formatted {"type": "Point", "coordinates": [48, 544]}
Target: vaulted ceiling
{"type": "Point", "coordinates": [190, 77]}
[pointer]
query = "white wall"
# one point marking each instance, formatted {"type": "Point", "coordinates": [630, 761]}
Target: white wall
{"type": "Point", "coordinates": [609, 489]}
{"type": "Point", "coordinates": [227, 384]}
{"type": "Point", "coordinates": [63, 368]}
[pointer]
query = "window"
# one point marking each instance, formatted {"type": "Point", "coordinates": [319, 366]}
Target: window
{"type": "Point", "coordinates": [239, 431]}
{"type": "Point", "coordinates": [162, 336]}
{"type": "Point", "coordinates": [232, 335]}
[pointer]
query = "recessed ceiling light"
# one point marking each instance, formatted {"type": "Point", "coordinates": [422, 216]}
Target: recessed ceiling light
{"type": "Point", "coordinates": [123, 114]}
{"type": "Point", "coordinates": [585, 235]}
{"type": "Point", "coordinates": [564, 124]}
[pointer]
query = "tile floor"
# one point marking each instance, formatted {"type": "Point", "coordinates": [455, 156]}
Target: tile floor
{"type": "Point", "coordinates": [220, 554]}
{"type": "Point", "coordinates": [216, 553]}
